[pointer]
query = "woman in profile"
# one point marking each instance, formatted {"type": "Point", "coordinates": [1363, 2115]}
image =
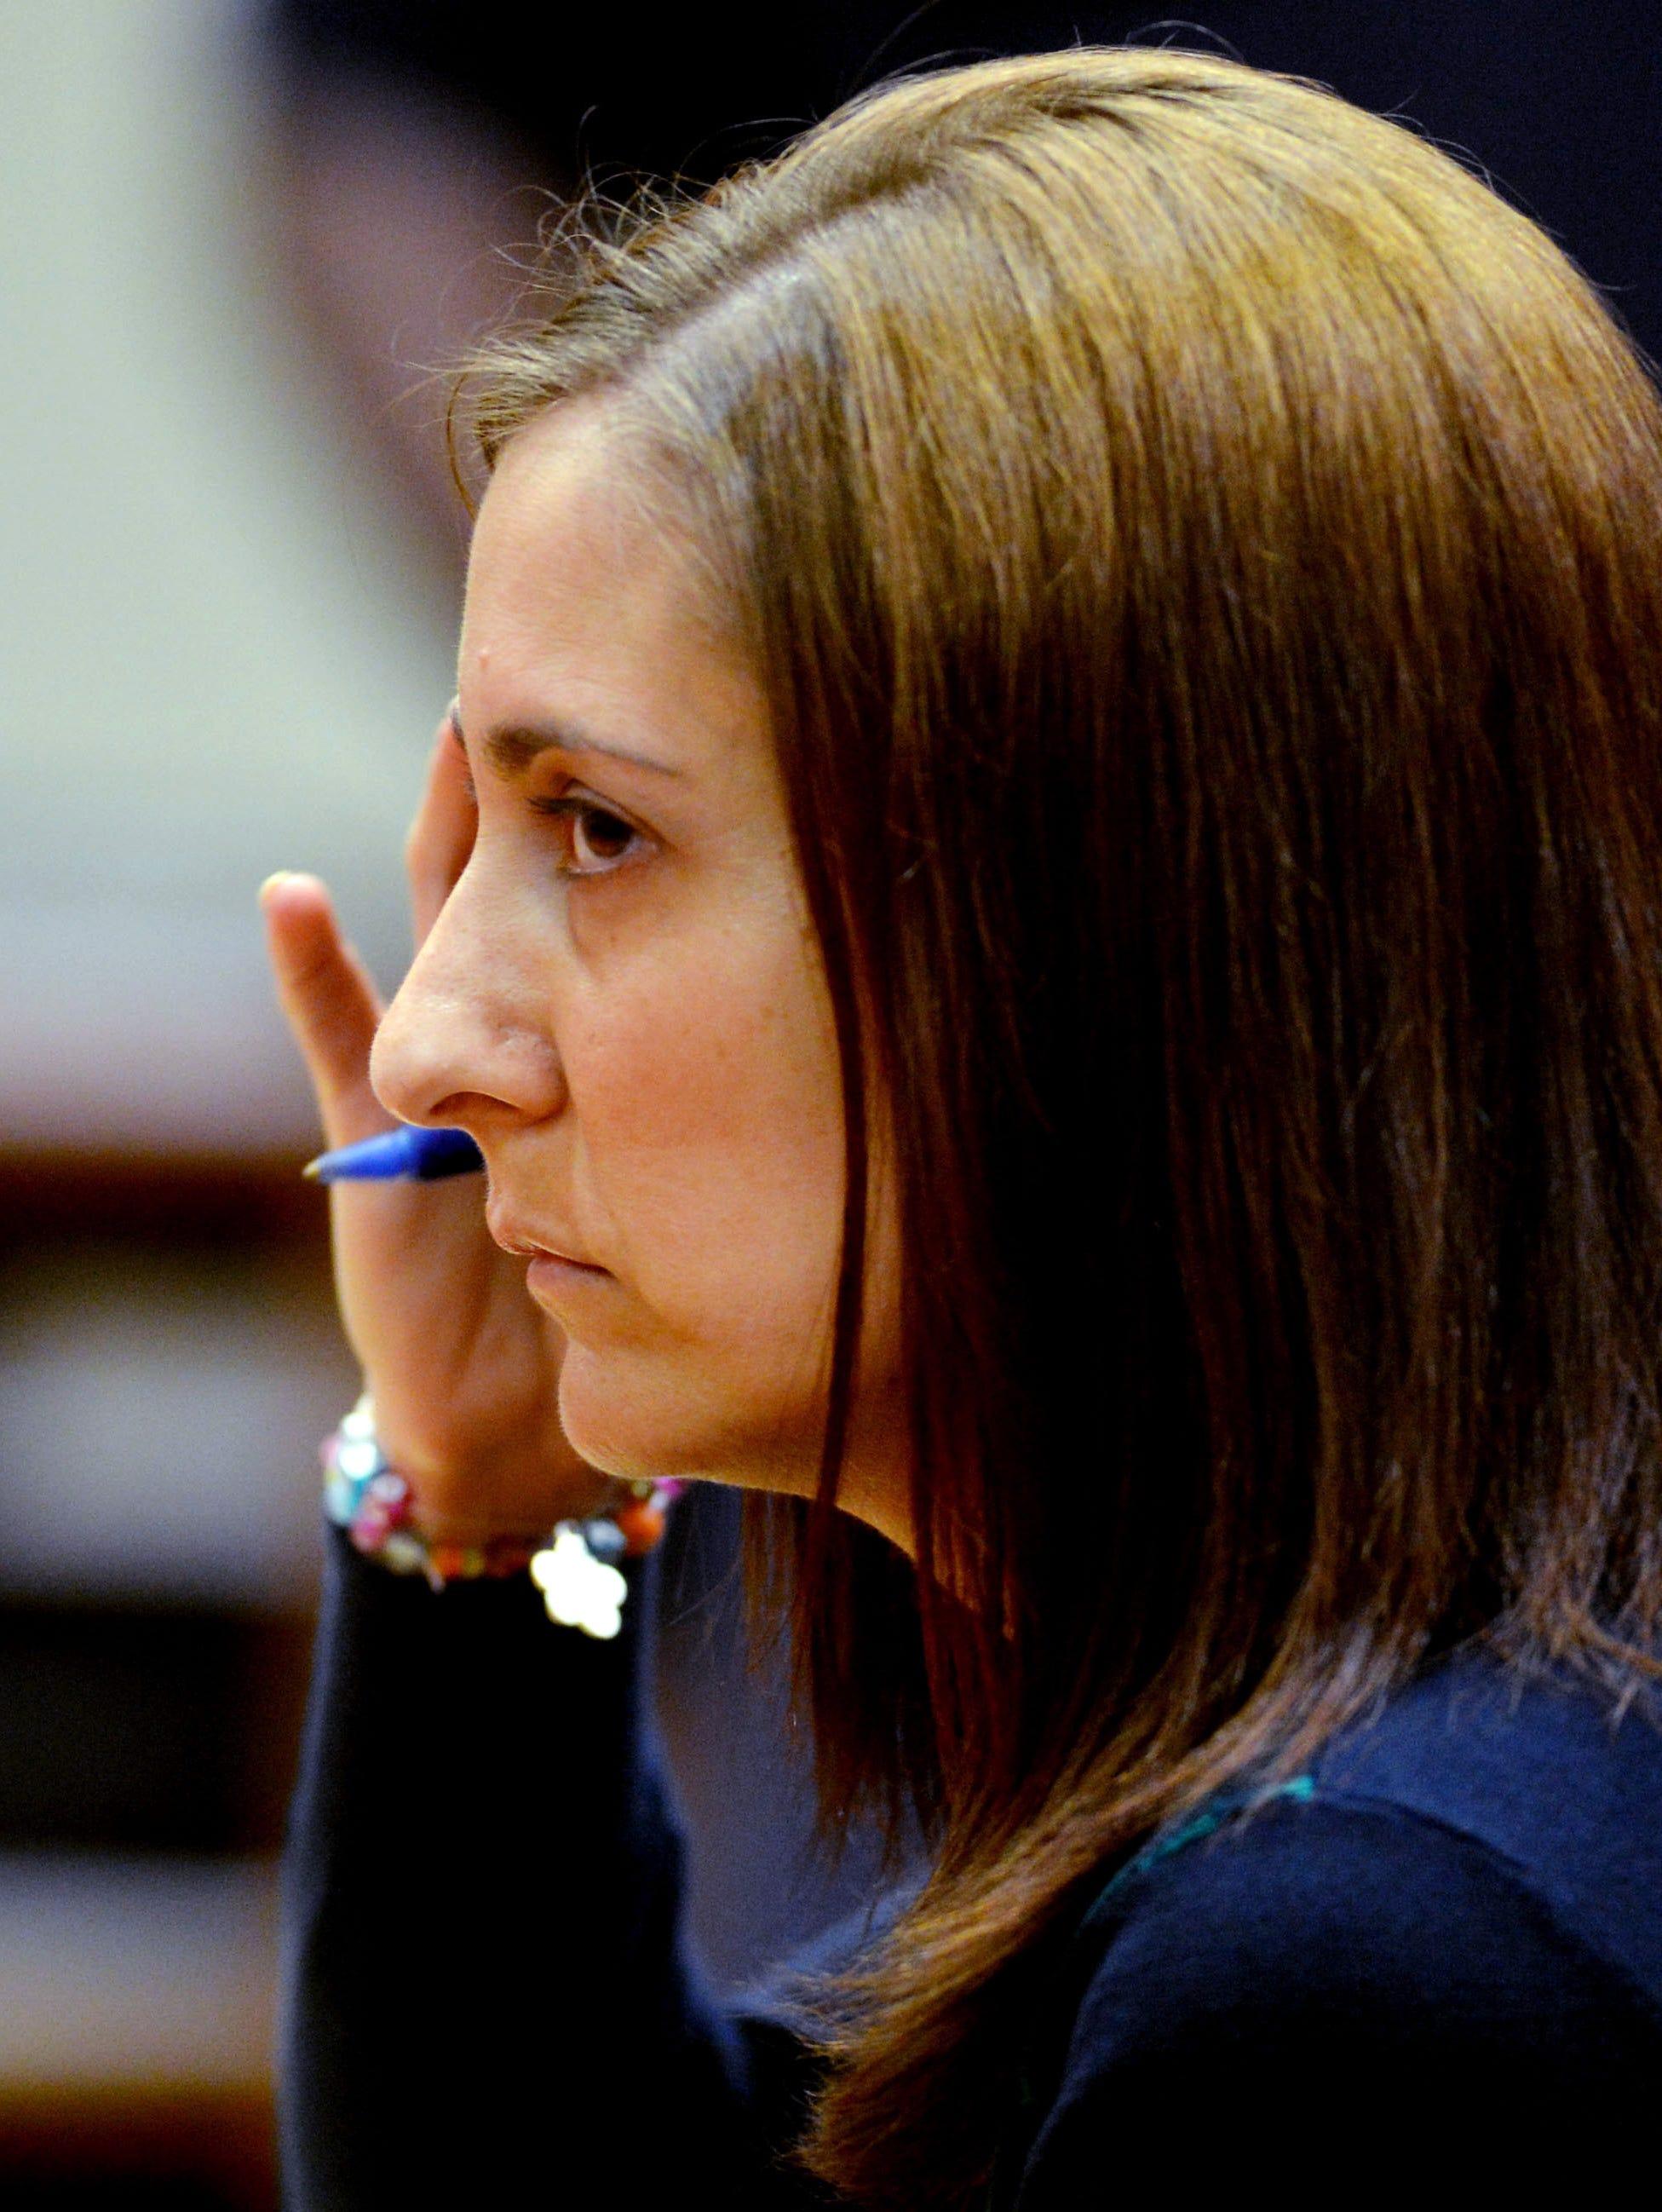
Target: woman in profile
{"type": "Point", "coordinates": [1042, 894]}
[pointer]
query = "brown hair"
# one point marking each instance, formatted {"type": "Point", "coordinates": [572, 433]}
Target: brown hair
{"type": "Point", "coordinates": [1201, 544]}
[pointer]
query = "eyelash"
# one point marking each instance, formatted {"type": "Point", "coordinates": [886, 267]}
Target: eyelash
{"type": "Point", "coordinates": [573, 810]}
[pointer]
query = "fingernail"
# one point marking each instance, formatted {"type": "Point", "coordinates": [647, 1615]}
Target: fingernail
{"type": "Point", "coordinates": [277, 876]}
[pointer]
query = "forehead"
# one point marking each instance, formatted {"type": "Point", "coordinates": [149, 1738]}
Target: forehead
{"type": "Point", "coordinates": [583, 592]}
{"type": "Point", "coordinates": [568, 534]}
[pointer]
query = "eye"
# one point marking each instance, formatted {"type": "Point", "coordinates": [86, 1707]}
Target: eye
{"type": "Point", "coordinates": [598, 840]}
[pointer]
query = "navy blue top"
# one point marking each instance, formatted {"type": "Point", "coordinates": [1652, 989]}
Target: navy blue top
{"type": "Point", "coordinates": [1438, 1954]}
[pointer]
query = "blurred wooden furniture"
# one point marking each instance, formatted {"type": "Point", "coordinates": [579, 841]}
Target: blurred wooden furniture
{"type": "Point", "coordinates": [136, 2028]}
{"type": "Point", "coordinates": [168, 1357]}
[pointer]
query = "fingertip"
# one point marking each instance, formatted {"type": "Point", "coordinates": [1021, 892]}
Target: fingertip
{"type": "Point", "coordinates": [287, 889]}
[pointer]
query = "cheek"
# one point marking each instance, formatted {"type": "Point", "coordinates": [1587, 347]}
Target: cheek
{"type": "Point", "coordinates": [710, 1106]}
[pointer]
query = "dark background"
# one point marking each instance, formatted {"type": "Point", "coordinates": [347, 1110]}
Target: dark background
{"type": "Point", "coordinates": [1557, 103]}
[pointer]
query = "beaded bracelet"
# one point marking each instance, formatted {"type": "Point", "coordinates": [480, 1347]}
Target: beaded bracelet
{"type": "Point", "coordinates": [575, 1566]}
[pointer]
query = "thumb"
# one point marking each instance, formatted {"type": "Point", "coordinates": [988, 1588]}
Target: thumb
{"type": "Point", "coordinates": [330, 1003]}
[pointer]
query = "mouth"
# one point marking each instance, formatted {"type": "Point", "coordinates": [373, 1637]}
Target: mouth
{"type": "Point", "coordinates": [514, 1239]}
{"type": "Point", "coordinates": [550, 1277]}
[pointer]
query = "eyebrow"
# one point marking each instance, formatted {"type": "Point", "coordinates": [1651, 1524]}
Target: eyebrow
{"type": "Point", "coordinates": [512, 750]}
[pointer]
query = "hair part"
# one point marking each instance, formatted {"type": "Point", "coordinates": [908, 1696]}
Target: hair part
{"type": "Point", "coordinates": [1198, 543]}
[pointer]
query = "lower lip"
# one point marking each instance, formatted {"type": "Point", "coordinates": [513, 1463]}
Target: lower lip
{"type": "Point", "coordinates": [545, 1273]}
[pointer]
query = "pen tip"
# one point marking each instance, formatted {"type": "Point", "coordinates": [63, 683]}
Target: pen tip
{"type": "Point", "coordinates": [313, 1169]}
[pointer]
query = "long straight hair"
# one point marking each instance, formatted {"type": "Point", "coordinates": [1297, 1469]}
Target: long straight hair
{"type": "Point", "coordinates": [1201, 547]}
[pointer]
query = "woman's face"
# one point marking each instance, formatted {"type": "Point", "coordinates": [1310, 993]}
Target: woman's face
{"type": "Point", "coordinates": [622, 999]}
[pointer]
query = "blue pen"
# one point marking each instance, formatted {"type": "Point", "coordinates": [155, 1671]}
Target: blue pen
{"type": "Point", "coordinates": [400, 1156]}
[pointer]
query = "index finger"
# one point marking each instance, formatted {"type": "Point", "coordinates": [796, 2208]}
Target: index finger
{"type": "Point", "coordinates": [441, 837]}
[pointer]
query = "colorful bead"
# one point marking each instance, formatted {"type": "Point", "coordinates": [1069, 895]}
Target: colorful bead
{"type": "Point", "coordinates": [642, 1524]}
{"type": "Point", "coordinates": [606, 1541]}
{"type": "Point", "coordinates": [358, 1458]}
{"type": "Point", "coordinates": [455, 1563]}
{"type": "Point", "coordinates": [406, 1554]}
{"type": "Point", "coordinates": [391, 1496]}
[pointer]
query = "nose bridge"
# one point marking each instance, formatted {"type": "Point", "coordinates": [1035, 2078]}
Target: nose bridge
{"type": "Point", "coordinates": [467, 1025]}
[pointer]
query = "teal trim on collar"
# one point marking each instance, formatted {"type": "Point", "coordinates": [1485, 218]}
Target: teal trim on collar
{"type": "Point", "coordinates": [1206, 1822]}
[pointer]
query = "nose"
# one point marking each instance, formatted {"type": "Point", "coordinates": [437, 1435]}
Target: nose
{"type": "Point", "coordinates": [467, 1041]}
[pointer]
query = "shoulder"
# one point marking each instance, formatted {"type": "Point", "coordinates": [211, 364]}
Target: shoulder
{"type": "Point", "coordinates": [1455, 1934]}
{"type": "Point", "coordinates": [1484, 1827]}
{"type": "Point", "coordinates": [1555, 1780]}
{"type": "Point", "coordinates": [1330, 1922]}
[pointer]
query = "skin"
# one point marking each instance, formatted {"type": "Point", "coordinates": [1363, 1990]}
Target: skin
{"type": "Point", "coordinates": [622, 1002]}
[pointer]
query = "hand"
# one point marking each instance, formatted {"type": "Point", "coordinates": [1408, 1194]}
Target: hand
{"type": "Point", "coordinates": [463, 1367]}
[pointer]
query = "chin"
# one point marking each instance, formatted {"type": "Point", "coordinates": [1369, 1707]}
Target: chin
{"type": "Point", "coordinates": [640, 1428]}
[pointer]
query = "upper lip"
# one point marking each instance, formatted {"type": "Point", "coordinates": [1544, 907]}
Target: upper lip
{"type": "Point", "coordinates": [513, 1238]}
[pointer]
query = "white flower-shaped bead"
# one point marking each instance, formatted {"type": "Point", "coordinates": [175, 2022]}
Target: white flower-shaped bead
{"type": "Point", "coordinates": [578, 1590]}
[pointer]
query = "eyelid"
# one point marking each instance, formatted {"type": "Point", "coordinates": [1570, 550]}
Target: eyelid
{"type": "Point", "coordinates": [570, 803]}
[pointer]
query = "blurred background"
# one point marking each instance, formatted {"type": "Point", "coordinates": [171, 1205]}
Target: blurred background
{"type": "Point", "coordinates": [240, 244]}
